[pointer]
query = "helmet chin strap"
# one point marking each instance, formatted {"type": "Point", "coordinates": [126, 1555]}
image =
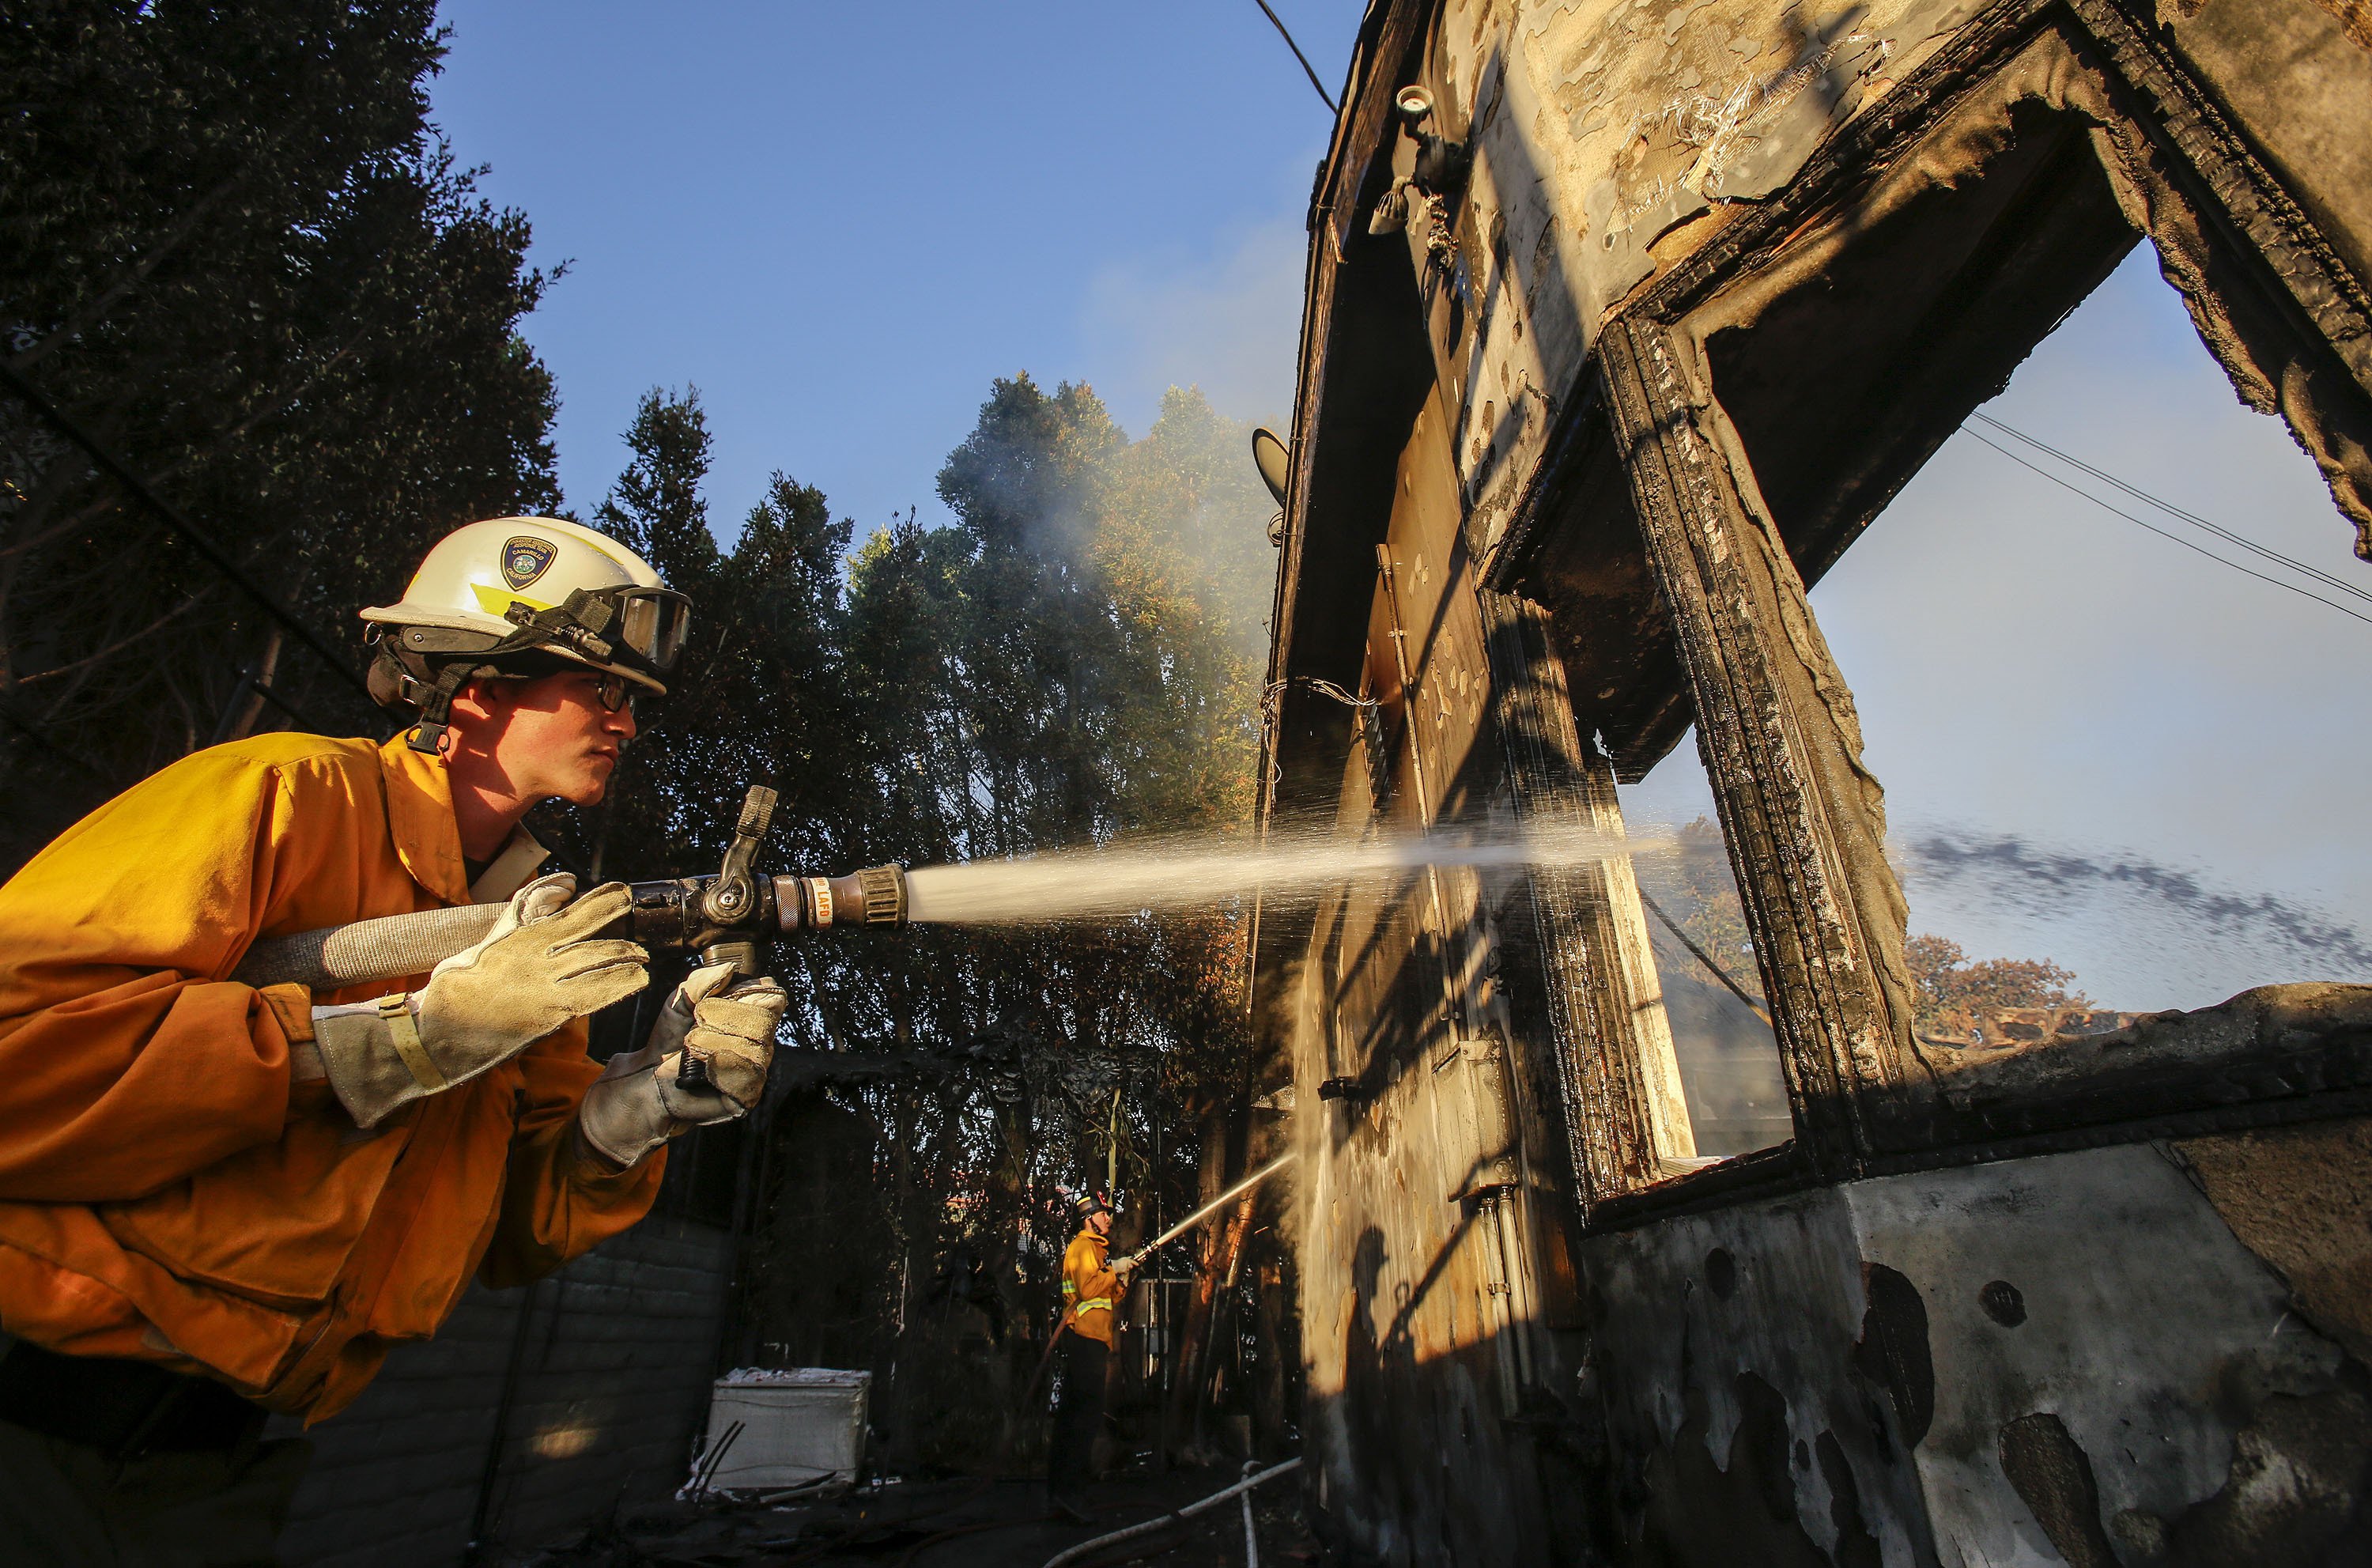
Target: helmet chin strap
{"type": "Point", "coordinates": [427, 737]}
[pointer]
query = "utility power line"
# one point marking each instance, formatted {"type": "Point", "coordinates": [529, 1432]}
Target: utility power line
{"type": "Point", "coordinates": [198, 539]}
{"type": "Point", "coordinates": [1323, 95]}
{"type": "Point", "coordinates": [2177, 539]}
{"type": "Point", "coordinates": [2318, 574]}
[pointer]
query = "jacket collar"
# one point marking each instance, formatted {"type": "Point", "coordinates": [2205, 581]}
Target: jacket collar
{"type": "Point", "coordinates": [420, 818]}
{"type": "Point", "coordinates": [428, 840]}
{"type": "Point", "coordinates": [513, 867]}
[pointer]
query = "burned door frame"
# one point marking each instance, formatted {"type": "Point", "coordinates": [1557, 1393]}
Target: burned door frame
{"type": "Point", "coordinates": [1802, 821]}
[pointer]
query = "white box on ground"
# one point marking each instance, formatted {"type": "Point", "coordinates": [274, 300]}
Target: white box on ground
{"type": "Point", "coordinates": [798, 1424]}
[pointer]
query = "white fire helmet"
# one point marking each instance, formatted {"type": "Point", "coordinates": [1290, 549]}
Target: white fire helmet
{"type": "Point", "coordinates": [511, 594]}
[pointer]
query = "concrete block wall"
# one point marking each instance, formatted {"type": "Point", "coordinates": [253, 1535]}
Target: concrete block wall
{"type": "Point", "coordinates": [615, 1355]}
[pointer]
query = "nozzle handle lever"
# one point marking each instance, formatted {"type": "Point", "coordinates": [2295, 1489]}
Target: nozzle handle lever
{"type": "Point", "coordinates": [731, 902]}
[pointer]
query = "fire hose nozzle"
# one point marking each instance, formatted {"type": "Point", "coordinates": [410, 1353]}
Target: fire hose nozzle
{"type": "Point", "coordinates": [874, 896]}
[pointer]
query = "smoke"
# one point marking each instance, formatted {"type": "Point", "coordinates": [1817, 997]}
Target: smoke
{"type": "Point", "coordinates": [1192, 348]}
{"type": "Point", "coordinates": [1227, 321]}
{"type": "Point", "coordinates": [1126, 467]}
{"type": "Point", "coordinates": [2009, 869]}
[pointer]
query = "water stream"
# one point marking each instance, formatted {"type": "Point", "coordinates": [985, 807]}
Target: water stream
{"type": "Point", "coordinates": [1197, 871]}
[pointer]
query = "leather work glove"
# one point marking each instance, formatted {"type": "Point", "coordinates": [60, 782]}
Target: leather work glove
{"type": "Point", "coordinates": [540, 966]}
{"type": "Point", "coordinates": [638, 1102]}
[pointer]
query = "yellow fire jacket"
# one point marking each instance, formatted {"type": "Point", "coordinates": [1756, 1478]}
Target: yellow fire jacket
{"type": "Point", "coordinates": [1088, 1288]}
{"type": "Point", "coordinates": [176, 1182]}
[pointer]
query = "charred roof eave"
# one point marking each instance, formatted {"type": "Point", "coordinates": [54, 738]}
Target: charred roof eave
{"type": "Point", "coordinates": [1359, 301]}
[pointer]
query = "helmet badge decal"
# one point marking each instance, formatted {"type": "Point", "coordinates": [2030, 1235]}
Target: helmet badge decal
{"type": "Point", "coordinates": [526, 558]}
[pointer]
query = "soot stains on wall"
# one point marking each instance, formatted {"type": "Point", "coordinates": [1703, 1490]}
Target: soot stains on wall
{"type": "Point", "coordinates": [2151, 1371]}
{"type": "Point", "coordinates": [1988, 1364]}
{"type": "Point", "coordinates": [1578, 421]}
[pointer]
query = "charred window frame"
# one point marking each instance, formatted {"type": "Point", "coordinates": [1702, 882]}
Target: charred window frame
{"type": "Point", "coordinates": [1778, 732]}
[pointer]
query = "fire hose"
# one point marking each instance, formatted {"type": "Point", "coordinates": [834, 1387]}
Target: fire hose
{"type": "Point", "coordinates": [1199, 1215]}
{"type": "Point", "coordinates": [1086, 1547]}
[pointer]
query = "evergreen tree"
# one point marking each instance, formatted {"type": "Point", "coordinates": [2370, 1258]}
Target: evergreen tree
{"type": "Point", "coordinates": [232, 247]}
{"type": "Point", "coordinates": [760, 696]}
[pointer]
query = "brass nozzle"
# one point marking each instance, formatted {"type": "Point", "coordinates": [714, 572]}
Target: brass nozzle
{"type": "Point", "coordinates": [875, 896]}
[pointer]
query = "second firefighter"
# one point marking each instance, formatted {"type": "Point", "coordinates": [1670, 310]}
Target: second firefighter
{"type": "Point", "coordinates": [1091, 1291]}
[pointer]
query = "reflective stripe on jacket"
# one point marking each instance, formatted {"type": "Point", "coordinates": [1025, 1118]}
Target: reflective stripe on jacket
{"type": "Point", "coordinates": [1089, 1289]}
{"type": "Point", "coordinates": [170, 1189]}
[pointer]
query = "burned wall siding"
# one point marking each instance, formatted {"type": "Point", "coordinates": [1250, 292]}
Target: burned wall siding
{"type": "Point", "coordinates": [1419, 1221]}
{"type": "Point", "coordinates": [2300, 1198]}
{"type": "Point", "coordinates": [1403, 1282]}
{"type": "Point", "coordinates": [1605, 136]}
{"type": "Point", "coordinates": [2090, 1314]}
{"type": "Point", "coordinates": [2274, 64]}
{"type": "Point", "coordinates": [2277, 1047]}
{"type": "Point", "coordinates": [1584, 1013]}
{"type": "Point", "coordinates": [2271, 290]}
{"type": "Point", "coordinates": [1977, 1366]}
{"type": "Point", "coordinates": [1727, 1365]}
{"type": "Point", "coordinates": [1619, 331]}
{"type": "Point", "coordinates": [1611, 143]}
{"type": "Point", "coordinates": [1804, 820]}
{"type": "Point", "coordinates": [2003, 207]}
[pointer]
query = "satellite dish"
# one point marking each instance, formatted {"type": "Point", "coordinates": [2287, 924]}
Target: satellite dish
{"type": "Point", "coordinates": [1275, 460]}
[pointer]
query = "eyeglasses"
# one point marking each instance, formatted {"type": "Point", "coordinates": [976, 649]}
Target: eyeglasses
{"type": "Point", "coordinates": [615, 690]}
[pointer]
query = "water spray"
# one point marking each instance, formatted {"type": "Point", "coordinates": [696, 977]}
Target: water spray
{"type": "Point", "coordinates": [1149, 876]}
{"type": "Point", "coordinates": [1137, 1258]}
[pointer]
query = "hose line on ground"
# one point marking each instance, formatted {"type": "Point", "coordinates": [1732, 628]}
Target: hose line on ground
{"type": "Point", "coordinates": [1075, 1553]}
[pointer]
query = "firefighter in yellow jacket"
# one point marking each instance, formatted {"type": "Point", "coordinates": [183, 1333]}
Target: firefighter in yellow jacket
{"type": "Point", "coordinates": [1091, 1292]}
{"type": "Point", "coordinates": [217, 1200]}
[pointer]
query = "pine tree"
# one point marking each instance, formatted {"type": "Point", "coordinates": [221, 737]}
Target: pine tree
{"type": "Point", "coordinates": [231, 246]}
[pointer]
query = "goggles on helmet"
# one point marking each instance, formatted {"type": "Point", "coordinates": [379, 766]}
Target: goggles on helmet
{"type": "Point", "coordinates": [641, 628]}
{"type": "Point", "coordinates": [653, 623]}
{"type": "Point", "coordinates": [646, 625]}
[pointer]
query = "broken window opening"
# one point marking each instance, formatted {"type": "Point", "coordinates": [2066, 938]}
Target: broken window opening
{"type": "Point", "coordinates": [1697, 976]}
{"type": "Point", "coordinates": [2107, 740]}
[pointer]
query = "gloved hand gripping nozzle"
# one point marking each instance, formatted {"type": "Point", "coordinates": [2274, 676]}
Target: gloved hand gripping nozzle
{"type": "Point", "coordinates": [722, 918]}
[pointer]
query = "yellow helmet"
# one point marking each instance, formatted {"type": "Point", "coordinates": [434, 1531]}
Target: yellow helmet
{"type": "Point", "coordinates": [507, 597]}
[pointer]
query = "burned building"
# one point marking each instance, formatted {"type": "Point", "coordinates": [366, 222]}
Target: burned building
{"type": "Point", "coordinates": [1624, 319]}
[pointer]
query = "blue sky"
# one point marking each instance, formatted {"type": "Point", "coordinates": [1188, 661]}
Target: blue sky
{"type": "Point", "coordinates": [840, 222]}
